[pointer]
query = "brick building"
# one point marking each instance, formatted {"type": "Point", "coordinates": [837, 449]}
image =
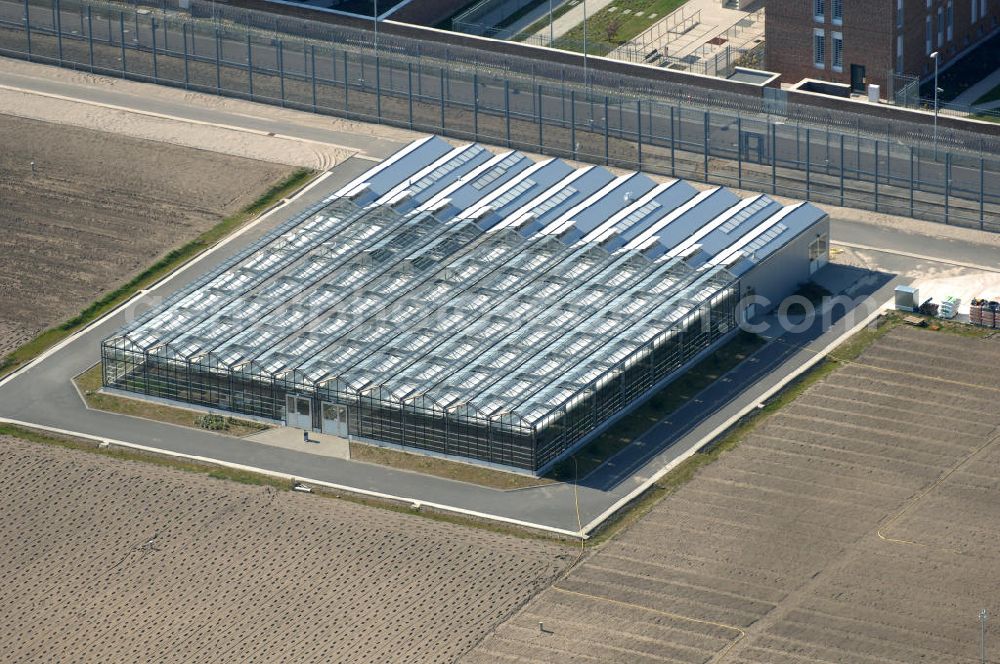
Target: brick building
{"type": "Point", "coordinates": [861, 41]}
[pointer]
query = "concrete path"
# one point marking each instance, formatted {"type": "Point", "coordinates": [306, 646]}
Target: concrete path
{"type": "Point", "coordinates": [969, 97]}
{"type": "Point", "coordinates": [570, 19]}
{"type": "Point", "coordinates": [288, 438]}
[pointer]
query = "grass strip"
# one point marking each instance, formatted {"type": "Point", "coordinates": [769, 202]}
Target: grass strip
{"type": "Point", "coordinates": [169, 263]}
{"type": "Point", "coordinates": [611, 27]}
{"type": "Point", "coordinates": [452, 470]}
{"type": "Point", "coordinates": [260, 479]}
{"type": "Point", "coordinates": [626, 430]}
{"type": "Point", "coordinates": [543, 22]}
{"type": "Point", "coordinates": [846, 352]}
{"type": "Point", "coordinates": [89, 383]}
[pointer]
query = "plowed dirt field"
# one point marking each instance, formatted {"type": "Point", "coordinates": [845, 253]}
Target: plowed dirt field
{"type": "Point", "coordinates": [859, 524]}
{"type": "Point", "coordinates": [96, 210]}
{"type": "Point", "coordinates": [105, 560]}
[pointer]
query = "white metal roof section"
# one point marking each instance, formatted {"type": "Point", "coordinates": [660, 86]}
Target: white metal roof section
{"type": "Point", "coordinates": [469, 282]}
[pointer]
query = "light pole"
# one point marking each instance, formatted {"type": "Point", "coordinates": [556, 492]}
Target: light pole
{"type": "Point", "coordinates": [585, 42]}
{"type": "Point", "coordinates": [934, 56]}
{"type": "Point", "coordinates": [982, 636]}
{"type": "Point", "coordinates": [375, 23]}
{"type": "Point", "coordinates": [551, 34]}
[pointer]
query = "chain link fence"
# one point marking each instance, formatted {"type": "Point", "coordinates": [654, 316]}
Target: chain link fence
{"type": "Point", "coordinates": [673, 134]}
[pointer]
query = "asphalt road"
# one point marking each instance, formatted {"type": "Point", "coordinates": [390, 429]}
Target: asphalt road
{"type": "Point", "coordinates": [44, 394]}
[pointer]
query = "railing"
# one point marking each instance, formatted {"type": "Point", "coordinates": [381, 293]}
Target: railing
{"type": "Point", "coordinates": [662, 32]}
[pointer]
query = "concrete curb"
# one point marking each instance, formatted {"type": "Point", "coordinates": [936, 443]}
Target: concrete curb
{"type": "Point", "coordinates": [413, 502]}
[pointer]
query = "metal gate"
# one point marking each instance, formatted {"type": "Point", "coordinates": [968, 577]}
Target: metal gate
{"type": "Point", "coordinates": [335, 419]}
{"type": "Point", "coordinates": [298, 412]}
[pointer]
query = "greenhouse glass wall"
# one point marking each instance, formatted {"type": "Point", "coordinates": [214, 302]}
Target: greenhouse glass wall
{"type": "Point", "coordinates": [458, 302]}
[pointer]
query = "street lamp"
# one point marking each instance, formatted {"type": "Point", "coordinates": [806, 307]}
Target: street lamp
{"type": "Point", "coordinates": [934, 56]}
{"type": "Point", "coordinates": [375, 23]}
{"type": "Point", "coordinates": [551, 34]}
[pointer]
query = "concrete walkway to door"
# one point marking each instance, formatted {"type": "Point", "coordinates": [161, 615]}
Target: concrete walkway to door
{"type": "Point", "coordinates": [290, 438]}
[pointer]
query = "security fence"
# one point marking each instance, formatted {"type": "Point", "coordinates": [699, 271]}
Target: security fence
{"type": "Point", "coordinates": [682, 131]}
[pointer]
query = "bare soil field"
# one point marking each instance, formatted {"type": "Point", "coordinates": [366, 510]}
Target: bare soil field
{"type": "Point", "coordinates": [106, 560]}
{"type": "Point", "coordinates": [858, 524]}
{"type": "Point", "coordinates": [97, 209]}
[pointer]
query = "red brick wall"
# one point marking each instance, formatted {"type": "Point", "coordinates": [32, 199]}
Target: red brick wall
{"type": "Point", "coordinates": [966, 32]}
{"type": "Point", "coordinates": [870, 37]}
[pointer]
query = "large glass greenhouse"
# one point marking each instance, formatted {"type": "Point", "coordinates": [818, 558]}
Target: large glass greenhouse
{"type": "Point", "coordinates": [463, 303]}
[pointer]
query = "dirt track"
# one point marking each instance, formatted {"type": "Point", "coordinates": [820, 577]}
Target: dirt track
{"type": "Point", "coordinates": [859, 524]}
{"type": "Point", "coordinates": [115, 561]}
{"type": "Point", "coordinates": [99, 208]}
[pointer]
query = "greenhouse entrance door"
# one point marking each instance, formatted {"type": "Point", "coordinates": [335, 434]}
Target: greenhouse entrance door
{"type": "Point", "coordinates": [335, 419]}
{"type": "Point", "coordinates": [298, 412]}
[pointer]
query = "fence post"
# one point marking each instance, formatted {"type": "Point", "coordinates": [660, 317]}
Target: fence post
{"type": "Point", "coordinates": [572, 122]}
{"type": "Point", "coordinates": [218, 62]}
{"type": "Point", "coordinates": [541, 143]}
{"type": "Point", "coordinates": [706, 146]}
{"type": "Point", "coordinates": [475, 106]}
{"type": "Point", "coordinates": [184, 36]}
{"type": "Point", "coordinates": [166, 42]}
{"type": "Point", "coordinates": [774, 158]}
{"type": "Point", "coordinates": [346, 87]}
{"type": "Point", "coordinates": [90, 37]}
{"type": "Point", "coordinates": [739, 152]}
{"type": "Point", "coordinates": [607, 121]}
{"type": "Point", "coordinates": [280, 51]}
{"type": "Point", "coordinates": [27, 27]}
{"type": "Point", "coordinates": [312, 69]}
{"type": "Point", "coordinates": [673, 166]}
{"type": "Point", "coordinates": [249, 66]}
{"type": "Point", "coordinates": [409, 90]}
{"type": "Point", "coordinates": [506, 107]}
{"type": "Point", "coordinates": [911, 180]}
{"type": "Point", "coordinates": [841, 170]}
{"type": "Point", "coordinates": [152, 23]}
{"type": "Point", "coordinates": [809, 163]}
{"type": "Point", "coordinates": [442, 100]}
{"type": "Point", "coordinates": [876, 175]}
{"type": "Point", "coordinates": [58, 27]}
{"type": "Point", "coordinates": [982, 192]}
{"type": "Point", "coordinates": [947, 186]}
{"type": "Point", "coordinates": [638, 132]}
{"type": "Point", "coordinates": [121, 33]}
{"type": "Point", "coordinates": [378, 88]}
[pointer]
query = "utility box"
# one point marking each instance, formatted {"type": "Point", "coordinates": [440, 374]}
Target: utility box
{"type": "Point", "coordinates": [907, 298]}
{"type": "Point", "coordinates": [873, 93]}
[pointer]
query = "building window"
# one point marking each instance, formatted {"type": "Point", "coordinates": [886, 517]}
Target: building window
{"type": "Point", "coordinates": [940, 27]}
{"type": "Point", "coordinates": [975, 11]}
{"type": "Point", "coordinates": [930, 35]}
{"type": "Point", "coordinates": [838, 51]}
{"type": "Point", "coordinates": [899, 13]}
{"type": "Point", "coordinates": [899, 54]}
{"type": "Point", "coordinates": [951, 20]}
{"type": "Point", "coordinates": [838, 11]}
{"type": "Point", "coordinates": [819, 49]}
{"type": "Point", "coordinates": [819, 10]}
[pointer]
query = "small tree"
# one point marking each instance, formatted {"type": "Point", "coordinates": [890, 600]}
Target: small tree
{"type": "Point", "coordinates": [612, 28]}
